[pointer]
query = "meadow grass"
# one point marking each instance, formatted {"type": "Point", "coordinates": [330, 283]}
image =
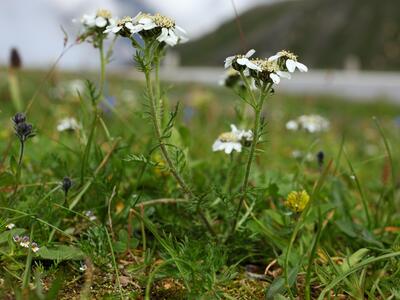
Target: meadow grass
{"type": "Point", "coordinates": [144, 237]}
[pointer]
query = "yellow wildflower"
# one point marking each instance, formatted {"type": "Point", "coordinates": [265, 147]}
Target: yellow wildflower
{"type": "Point", "coordinates": [297, 201]}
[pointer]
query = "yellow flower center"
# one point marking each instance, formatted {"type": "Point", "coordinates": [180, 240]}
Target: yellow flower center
{"type": "Point", "coordinates": [163, 21]}
{"type": "Point", "coordinates": [288, 55]}
{"type": "Point", "coordinates": [265, 65]}
{"type": "Point", "coordinates": [104, 13]}
{"type": "Point", "coordinates": [228, 137]}
{"type": "Point", "coordinates": [124, 20]}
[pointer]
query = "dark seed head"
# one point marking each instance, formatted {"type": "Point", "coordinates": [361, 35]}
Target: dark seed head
{"type": "Point", "coordinates": [24, 131]}
{"type": "Point", "coordinates": [15, 59]}
{"type": "Point", "coordinates": [19, 118]}
{"type": "Point", "coordinates": [320, 158]}
{"type": "Point", "coordinates": [66, 184]}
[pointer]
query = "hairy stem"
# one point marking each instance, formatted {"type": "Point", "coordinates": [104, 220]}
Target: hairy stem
{"type": "Point", "coordinates": [153, 111]}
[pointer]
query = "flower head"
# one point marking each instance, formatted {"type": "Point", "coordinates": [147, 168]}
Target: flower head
{"type": "Point", "coordinates": [68, 124]}
{"type": "Point", "coordinates": [242, 62]}
{"type": "Point", "coordinates": [19, 118]}
{"type": "Point", "coordinates": [66, 184]}
{"type": "Point", "coordinates": [287, 61]}
{"type": "Point", "coordinates": [320, 158]}
{"type": "Point", "coordinates": [24, 242]}
{"type": "Point", "coordinates": [309, 123]}
{"type": "Point", "coordinates": [123, 27]}
{"type": "Point", "coordinates": [10, 226]}
{"type": "Point", "coordinates": [35, 247]}
{"type": "Point", "coordinates": [268, 71]}
{"type": "Point", "coordinates": [15, 59]}
{"type": "Point", "coordinates": [160, 27]}
{"type": "Point", "coordinates": [90, 215]}
{"type": "Point", "coordinates": [22, 129]}
{"type": "Point", "coordinates": [94, 26]}
{"type": "Point", "coordinates": [297, 201]}
{"type": "Point", "coordinates": [101, 19]}
{"type": "Point", "coordinates": [233, 140]}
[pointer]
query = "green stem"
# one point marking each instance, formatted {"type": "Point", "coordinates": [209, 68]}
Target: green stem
{"type": "Point", "coordinates": [27, 271]}
{"type": "Point", "coordinates": [102, 68]}
{"type": "Point", "coordinates": [21, 153]}
{"type": "Point", "coordinates": [312, 255]}
{"type": "Point", "coordinates": [114, 261]}
{"type": "Point", "coordinates": [163, 147]}
{"type": "Point", "coordinates": [257, 120]}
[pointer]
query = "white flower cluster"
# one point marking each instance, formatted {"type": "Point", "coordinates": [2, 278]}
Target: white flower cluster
{"type": "Point", "coordinates": [269, 70]}
{"type": "Point", "coordinates": [90, 215]}
{"type": "Point", "coordinates": [101, 19]}
{"type": "Point", "coordinates": [233, 140]}
{"type": "Point", "coordinates": [158, 26]}
{"type": "Point", "coordinates": [94, 26]}
{"type": "Point", "coordinates": [309, 123]}
{"type": "Point", "coordinates": [26, 242]}
{"type": "Point", "coordinates": [68, 124]}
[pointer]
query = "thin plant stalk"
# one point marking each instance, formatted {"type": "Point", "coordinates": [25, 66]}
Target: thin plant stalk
{"type": "Point", "coordinates": [21, 153]}
{"type": "Point", "coordinates": [102, 68]}
{"type": "Point", "coordinates": [257, 121]}
{"type": "Point", "coordinates": [163, 147]}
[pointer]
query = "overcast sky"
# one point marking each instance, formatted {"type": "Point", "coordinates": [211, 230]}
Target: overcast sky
{"type": "Point", "coordinates": [33, 26]}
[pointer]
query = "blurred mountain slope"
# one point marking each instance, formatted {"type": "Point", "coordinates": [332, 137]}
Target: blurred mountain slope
{"type": "Point", "coordinates": [324, 33]}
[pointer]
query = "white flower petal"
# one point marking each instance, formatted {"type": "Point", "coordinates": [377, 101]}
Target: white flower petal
{"type": "Point", "coordinates": [234, 128]}
{"type": "Point", "coordinates": [292, 125]}
{"type": "Point", "coordinates": [229, 147]}
{"type": "Point", "coordinates": [291, 65]}
{"type": "Point", "coordinates": [180, 30]}
{"type": "Point", "coordinates": [242, 61]}
{"type": "Point", "coordinates": [275, 57]}
{"type": "Point", "coordinates": [250, 53]}
{"type": "Point", "coordinates": [129, 25]}
{"type": "Point", "coordinates": [101, 22]}
{"type": "Point", "coordinates": [228, 61]}
{"type": "Point", "coordinates": [253, 66]}
{"type": "Point", "coordinates": [301, 67]}
{"type": "Point", "coordinates": [116, 29]}
{"type": "Point", "coordinates": [284, 74]}
{"type": "Point", "coordinates": [275, 78]}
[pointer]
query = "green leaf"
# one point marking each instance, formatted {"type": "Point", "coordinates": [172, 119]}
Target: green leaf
{"type": "Point", "coordinates": [7, 235]}
{"type": "Point", "coordinates": [278, 285]}
{"type": "Point", "coordinates": [354, 259]}
{"type": "Point", "coordinates": [62, 252]}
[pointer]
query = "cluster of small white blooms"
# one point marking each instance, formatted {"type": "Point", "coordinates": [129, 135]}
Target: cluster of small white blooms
{"type": "Point", "coordinates": [297, 154]}
{"type": "Point", "coordinates": [68, 124]}
{"type": "Point", "coordinates": [90, 215]}
{"type": "Point", "coordinates": [161, 27]}
{"type": "Point", "coordinates": [10, 226]}
{"type": "Point", "coordinates": [233, 140]}
{"type": "Point", "coordinates": [101, 19]}
{"type": "Point", "coordinates": [26, 242]}
{"type": "Point", "coordinates": [309, 123]}
{"type": "Point", "coordinates": [269, 70]}
{"type": "Point", "coordinates": [94, 26]}
{"type": "Point", "coordinates": [287, 61]}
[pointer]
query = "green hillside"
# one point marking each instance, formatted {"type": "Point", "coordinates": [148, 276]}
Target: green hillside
{"type": "Point", "coordinates": [325, 34]}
